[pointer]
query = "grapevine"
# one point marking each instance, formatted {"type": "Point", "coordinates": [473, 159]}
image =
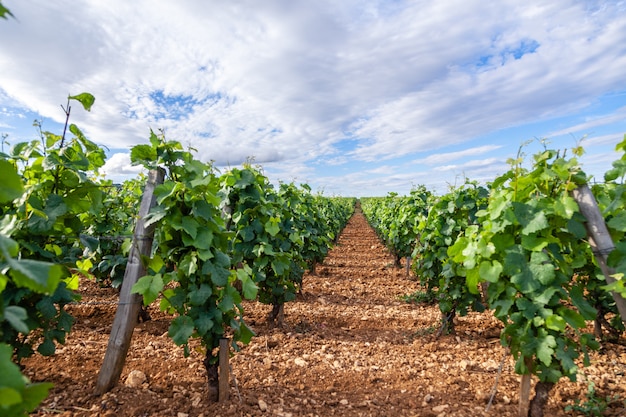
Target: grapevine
{"type": "Point", "coordinates": [190, 268]}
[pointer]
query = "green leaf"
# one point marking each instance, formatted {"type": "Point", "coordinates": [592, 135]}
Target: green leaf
{"type": "Point", "coordinates": [11, 187]}
{"type": "Point", "coordinates": [204, 323]}
{"type": "Point", "coordinates": [219, 275]}
{"type": "Point", "coordinates": [581, 303]}
{"type": "Point", "coordinates": [546, 295]}
{"type": "Point", "coordinates": [199, 295]}
{"type": "Point", "coordinates": [534, 243]}
{"type": "Point", "coordinates": [85, 99]}
{"type": "Point", "coordinates": [245, 334]}
{"type": "Point", "coordinates": [545, 348]}
{"type": "Point", "coordinates": [565, 206]}
{"type": "Point", "coordinates": [35, 394]}
{"type": "Point", "coordinates": [10, 375]}
{"type": "Point", "coordinates": [541, 268]}
{"type": "Point", "coordinates": [555, 322]}
{"type": "Point", "coordinates": [4, 12]}
{"type": "Point", "coordinates": [149, 286]}
{"type": "Point", "coordinates": [156, 264]}
{"type": "Point", "coordinates": [47, 308]}
{"type": "Point", "coordinates": [9, 248]}
{"type": "Point", "coordinates": [530, 218]}
{"type": "Point", "coordinates": [9, 397]}
{"type": "Point", "coordinates": [272, 226]}
{"type": "Point", "coordinates": [181, 329]}
{"type": "Point", "coordinates": [17, 316]}
{"type": "Point", "coordinates": [189, 264]}
{"type": "Point", "coordinates": [490, 270]}
{"type": "Point", "coordinates": [155, 215]}
{"type": "Point", "coordinates": [47, 348]}
{"type": "Point", "coordinates": [577, 228]}
{"type": "Point", "coordinates": [190, 225]}
{"type": "Point", "coordinates": [612, 174]}
{"type": "Point", "coordinates": [89, 242]}
{"type": "Point", "coordinates": [42, 277]}
{"type": "Point", "coordinates": [227, 303]}
{"type": "Point", "coordinates": [618, 222]}
{"type": "Point", "coordinates": [472, 278]}
{"type": "Point", "coordinates": [572, 318]}
{"type": "Point", "coordinates": [143, 154]}
{"type": "Point", "coordinates": [249, 287]}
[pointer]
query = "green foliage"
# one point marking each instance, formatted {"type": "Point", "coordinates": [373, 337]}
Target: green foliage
{"type": "Point", "coordinates": [109, 235]}
{"type": "Point", "coordinates": [278, 233]}
{"type": "Point", "coordinates": [4, 12]}
{"type": "Point", "coordinates": [18, 396]}
{"type": "Point", "coordinates": [191, 251]}
{"type": "Point", "coordinates": [86, 99]}
{"type": "Point", "coordinates": [611, 198]}
{"type": "Point", "coordinates": [448, 218]}
{"type": "Point", "coordinates": [48, 222]}
{"type": "Point", "coordinates": [267, 239]}
{"type": "Point", "coordinates": [529, 247]}
{"type": "Point", "coordinates": [419, 297]}
{"type": "Point", "coordinates": [395, 219]}
{"type": "Point", "coordinates": [593, 405]}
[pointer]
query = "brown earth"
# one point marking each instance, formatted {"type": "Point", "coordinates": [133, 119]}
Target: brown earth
{"type": "Point", "coordinates": [349, 347]}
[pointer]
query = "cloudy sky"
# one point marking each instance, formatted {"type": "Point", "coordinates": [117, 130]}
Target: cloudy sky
{"type": "Point", "coordinates": [353, 97]}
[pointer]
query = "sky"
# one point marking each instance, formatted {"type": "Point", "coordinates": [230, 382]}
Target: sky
{"type": "Point", "coordinates": [353, 97]}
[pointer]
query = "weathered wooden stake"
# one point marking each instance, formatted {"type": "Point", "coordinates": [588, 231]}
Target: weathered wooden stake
{"type": "Point", "coordinates": [599, 239]}
{"type": "Point", "coordinates": [408, 266]}
{"type": "Point", "coordinates": [224, 375]}
{"type": "Point", "coordinates": [129, 304]}
{"type": "Point", "coordinates": [524, 395]}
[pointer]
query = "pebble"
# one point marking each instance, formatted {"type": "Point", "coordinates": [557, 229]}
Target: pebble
{"type": "Point", "coordinates": [440, 408]}
{"type": "Point", "coordinates": [300, 362]}
{"type": "Point", "coordinates": [262, 405]}
{"type": "Point", "coordinates": [135, 378]}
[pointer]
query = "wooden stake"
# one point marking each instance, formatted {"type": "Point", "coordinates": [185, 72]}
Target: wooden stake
{"type": "Point", "coordinates": [224, 376]}
{"type": "Point", "coordinates": [524, 395]}
{"type": "Point", "coordinates": [599, 239]}
{"type": "Point", "coordinates": [129, 304]}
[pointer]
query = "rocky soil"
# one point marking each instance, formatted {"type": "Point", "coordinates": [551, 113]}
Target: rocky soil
{"type": "Point", "coordinates": [350, 346]}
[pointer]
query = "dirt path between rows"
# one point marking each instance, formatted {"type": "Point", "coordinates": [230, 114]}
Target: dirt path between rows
{"type": "Point", "coordinates": [349, 347]}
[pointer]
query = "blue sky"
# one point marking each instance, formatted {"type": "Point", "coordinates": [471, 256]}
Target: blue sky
{"type": "Point", "coordinates": [353, 97]}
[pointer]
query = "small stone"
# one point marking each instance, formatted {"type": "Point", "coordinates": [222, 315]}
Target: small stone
{"type": "Point", "coordinates": [262, 405]}
{"type": "Point", "coordinates": [135, 378]}
{"type": "Point", "coordinates": [300, 362]}
{"type": "Point", "coordinates": [344, 402]}
{"type": "Point", "coordinates": [440, 408]}
{"type": "Point", "coordinates": [506, 399]}
{"type": "Point", "coordinates": [428, 398]}
{"type": "Point", "coordinates": [182, 415]}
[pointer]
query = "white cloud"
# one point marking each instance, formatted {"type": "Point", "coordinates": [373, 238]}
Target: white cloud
{"type": "Point", "coordinates": [618, 115]}
{"type": "Point", "coordinates": [440, 158]}
{"type": "Point", "coordinates": [286, 82]}
{"type": "Point", "coordinates": [118, 167]}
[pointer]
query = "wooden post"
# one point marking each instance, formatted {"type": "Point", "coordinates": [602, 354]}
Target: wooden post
{"type": "Point", "coordinates": [224, 367]}
{"type": "Point", "coordinates": [129, 304]}
{"type": "Point", "coordinates": [524, 395]}
{"type": "Point", "coordinates": [599, 239]}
